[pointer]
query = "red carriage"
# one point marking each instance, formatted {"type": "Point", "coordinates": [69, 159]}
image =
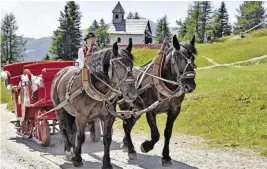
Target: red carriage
{"type": "Point", "coordinates": [30, 83]}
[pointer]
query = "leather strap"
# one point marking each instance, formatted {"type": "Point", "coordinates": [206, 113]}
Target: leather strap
{"type": "Point", "coordinates": [91, 90]}
{"type": "Point", "coordinates": [159, 84]}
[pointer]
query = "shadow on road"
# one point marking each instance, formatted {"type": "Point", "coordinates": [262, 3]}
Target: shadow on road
{"type": "Point", "coordinates": [94, 152]}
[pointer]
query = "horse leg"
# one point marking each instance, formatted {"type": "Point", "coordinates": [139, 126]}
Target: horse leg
{"type": "Point", "coordinates": [149, 145]}
{"type": "Point", "coordinates": [63, 120]}
{"type": "Point", "coordinates": [81, 122]}
{"type": "Point", "coordinates": [172, 115]}
{"type": "Point", "coordinates": [127, 140]}
{"type": "Point", "coordinates": [107, 138]}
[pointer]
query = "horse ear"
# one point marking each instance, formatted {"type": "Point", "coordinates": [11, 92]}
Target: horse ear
{"type": "Point", "coordinates": [129, 47]}
{"type": "Point", "coordinates": [175, 43]}
{"type": "Point", "coordinates": [193, 41]}
{"type": "Point", "coordinates": [115, 48]}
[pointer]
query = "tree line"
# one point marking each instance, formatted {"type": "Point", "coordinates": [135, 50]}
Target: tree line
{"type": "Point", "coordinates": [201, 21]}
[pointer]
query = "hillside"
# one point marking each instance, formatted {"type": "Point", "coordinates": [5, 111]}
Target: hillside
{"type": "Point", "coordinates": [226, 50]}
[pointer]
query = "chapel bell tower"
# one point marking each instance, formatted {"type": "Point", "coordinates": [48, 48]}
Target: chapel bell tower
{"type": "Point", "coordinates": [118, 14]}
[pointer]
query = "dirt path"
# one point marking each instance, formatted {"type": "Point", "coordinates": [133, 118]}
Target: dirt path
{"type": "Point", "coordinates": [230, 64]}
{"type": "Point", "coordinates": [188, 152]}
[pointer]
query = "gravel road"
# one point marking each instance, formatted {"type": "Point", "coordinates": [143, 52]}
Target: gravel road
{"type": "Point", "coordinates": [188, 152]}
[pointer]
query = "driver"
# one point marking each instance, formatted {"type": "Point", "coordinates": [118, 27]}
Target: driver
{"type": "Point", "coordinates": [88, 49]}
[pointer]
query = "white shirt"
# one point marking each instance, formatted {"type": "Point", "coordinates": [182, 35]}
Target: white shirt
{"type": "Point", "coordinates": [80, 59]}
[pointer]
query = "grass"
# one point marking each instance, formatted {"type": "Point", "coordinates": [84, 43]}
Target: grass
{"type": "Point", "coordinates": [144, 55]}
{"type": "Point", "coordinates": [235, 49]}
{"type": "Point", "coordinates": [6, 97]}
{"type": "Point", "coordinates": [227, 50]}
{"type": "Point", "coordinates": [228, 108]}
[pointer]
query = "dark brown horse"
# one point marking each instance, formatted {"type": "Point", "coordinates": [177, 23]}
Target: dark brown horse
{"type": "Point", "coordinates": [177, 66]}
{"type": "Point", "coordinates": [109, 73]}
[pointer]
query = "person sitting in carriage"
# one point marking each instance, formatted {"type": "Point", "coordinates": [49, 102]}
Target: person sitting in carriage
{"type": "Point", "coordinates": [88, 49]}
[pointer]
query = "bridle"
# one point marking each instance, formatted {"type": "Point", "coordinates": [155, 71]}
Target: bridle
{"type": "Point", "coordinates": [125, 80]}
{"type": "Point", "coordinates": [185, 74]}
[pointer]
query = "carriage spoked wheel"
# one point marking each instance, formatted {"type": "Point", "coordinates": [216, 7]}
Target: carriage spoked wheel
{"type": "Point", "coordinates": [41, 132]}
{"type": "Point", "coordinates": [95, 130]}
{"type": "Point", "coordinates": [26, 128]}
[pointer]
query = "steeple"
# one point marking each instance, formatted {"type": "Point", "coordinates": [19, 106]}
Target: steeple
{"type": "Point", "coordinates": [118, 13]}
{"type": "Point", "coordinates": [118, 8]}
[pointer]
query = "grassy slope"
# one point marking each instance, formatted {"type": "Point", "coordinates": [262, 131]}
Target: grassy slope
{"type": "Point", "coordinates": [232, 50]}
{"type": "Point", "coordinates": [144, 55]}
{"type": "Point", "coordinates": [227, 50]}
{"type": "Point", "coordinates": [6, 96]}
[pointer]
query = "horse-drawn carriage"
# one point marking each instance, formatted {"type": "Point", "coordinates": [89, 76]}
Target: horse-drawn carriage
{"type": "Point", "coordinates": [108, 79]}
{"type": "Point", "coordinates": [30, 84]}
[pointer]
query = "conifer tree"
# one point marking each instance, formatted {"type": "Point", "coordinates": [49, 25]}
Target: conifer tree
{"type": "Point", "coordinates": [163, 30]}
{"type": "Point", "coordinates": [12, 45]}
{"type": "Point", "coordinates": [67, 38]}
{"type": "Point", "coordinates": [224, 26]}
{"type": "Point", "coordinates": [136, 15]}
{"type": "Point", "coordinates": [130, 15]}
{"type": "Point", "coordinates": [250, 14]}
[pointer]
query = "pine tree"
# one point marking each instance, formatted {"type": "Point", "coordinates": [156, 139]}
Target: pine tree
{"type": "Point", "coordinates": [67, 38]}
{"type": "Point", "coordinates": [205, 18]}
{"type": "Point", "coordinates": [224, 26]}
{"type": "Point", "coordinates": [12, 45]}
{"type": "Point", "coordinates": [47, 57]}
{"type": "Point", "coordinates": [130, 15]}
{"type": "Point", "coordinates": [93, 27]}
{"type": "Point", "coordinates": [250, 14]}
{"type": "Point", "coordinates": [216, 25]}
{"type": "Point", "coordinates": [102, 35]}
{"type": "Point", "coordinates": [136, 15]}
{"type": "Point", "coordinates": [182, 29]}
{"type": "Point", "coordinates": [163, 30]}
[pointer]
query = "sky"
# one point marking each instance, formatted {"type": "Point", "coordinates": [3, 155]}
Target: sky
{"type": "Point", "coordinates": [38, 19]}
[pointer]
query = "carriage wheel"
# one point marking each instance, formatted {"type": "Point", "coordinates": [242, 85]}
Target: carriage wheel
{"type": "Point", "coordinates": [103, 126]}
{"type": "Point", "coordinates": [46, 137]}
{"type": "Point", "coordinates": [42, 131]}
{"type": "Point", "coordinates": [26, 128]}
{"type": "Point", "coordinates": [95, 133]}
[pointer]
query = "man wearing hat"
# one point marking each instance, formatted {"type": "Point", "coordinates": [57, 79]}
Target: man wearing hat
{"type": "Point", "coordinates": [87, 50]}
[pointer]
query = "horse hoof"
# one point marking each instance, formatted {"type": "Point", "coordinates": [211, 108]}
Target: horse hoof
{"type": "Point", "coordinates": [109, 167]}
{"type": "Point", "coordinates": [68, 157]}
{"type": "Point", "coordinates": [124, 148]}
{"type": "Point", "coordinates": [166, 162]}
{"type": "Point", "coordinates": [69, 154]}
{"type": "Point", "coordinates": [145, 147]}
{"type": "Point", "coordinates": [77, 164]}
{"type": "Point", "coordinates": [132, 156]}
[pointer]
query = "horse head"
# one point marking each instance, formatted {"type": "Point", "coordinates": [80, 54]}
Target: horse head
{"type": "Point", "coordinates": [118, 66]}
{"type": "Point", "coordinates": [182, 63]}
